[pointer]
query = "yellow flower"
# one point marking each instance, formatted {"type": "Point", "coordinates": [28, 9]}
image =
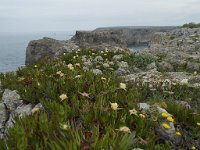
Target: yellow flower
{"type": "Point", "coordinates": [193, 148]}
{"type": "Point", "coordinates": [166, 126]}
{"type": "Point", "coordinates": [165, 115]}
{"type": "Point", "coordinates": [125, 129]}
{"type": "Point", "coordinates": [133, 112]}
{"type": "Point", "coordinates": [122, 86]}
{"type": "Point", "coordinates": [63, 97]}
{"type": "Point", "coordinates": [170, 119]}
{"type": "Point", "coordinates": [198, 123]}
{"type": "Point", "coordinates": [114, 106]}
{"type": "Point", "coordinates": [70, 66]}
{"type": "Point", "coordinates": [141, 115]}
{"type": "Point", "coordinates": [178, 133]}
{"type": "Point", "coordinates": [38, 84]}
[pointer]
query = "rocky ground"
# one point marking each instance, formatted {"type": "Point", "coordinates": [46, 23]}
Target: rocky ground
{"type": "Point", "coordinates": [105, 99]}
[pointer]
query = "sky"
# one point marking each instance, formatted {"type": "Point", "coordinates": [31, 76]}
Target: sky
{"type": "Point", "coordinates": [70, 15]}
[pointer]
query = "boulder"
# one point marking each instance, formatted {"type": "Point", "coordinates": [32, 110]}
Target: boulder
{"type": "Point", "coordinates": [11, 99]}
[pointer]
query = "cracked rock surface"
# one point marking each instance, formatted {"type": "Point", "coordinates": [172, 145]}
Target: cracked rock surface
{"type": "Point", "coordinates": [12, 105]}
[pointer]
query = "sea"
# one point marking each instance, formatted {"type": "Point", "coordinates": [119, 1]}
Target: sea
{"type": "Point", "coordinates": [13, 47]}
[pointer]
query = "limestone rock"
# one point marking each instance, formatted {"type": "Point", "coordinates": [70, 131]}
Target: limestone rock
{"type": "Point", "coordinates": [121, 71]}
{"type": "Point", "coordinates": [191, 66]}
{"type": "Point", "coordinates": [117, 57]}
{"type": "Point", "coordinates": [97, 71]}
{"type": "Point", "coordinates": [11, 99]}
{"type": "Point", "coordinates": [98, 59]}
{"type": "Point", "coordinates": [122, 64]}
{"type": "Point", "coordinates": [143, 106]}
{"type": "Point", "coordinates": [47, 47]}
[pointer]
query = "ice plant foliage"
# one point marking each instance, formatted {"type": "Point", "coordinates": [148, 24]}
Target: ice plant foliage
{"type": "Point", "coordinates": [80, 110]}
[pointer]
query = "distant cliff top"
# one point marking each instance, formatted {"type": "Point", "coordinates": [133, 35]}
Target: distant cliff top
{"type": "Point", "coordinates": [137, 27]}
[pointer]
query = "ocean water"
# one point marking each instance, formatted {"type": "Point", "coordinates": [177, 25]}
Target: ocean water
{"type": "Point", "coordinates": [13, 47]}
{"type": "Point", "coordinates": [137, 47]}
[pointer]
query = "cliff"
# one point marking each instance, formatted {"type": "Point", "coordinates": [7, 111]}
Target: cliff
{"type": "Point", "coordinates": [99, 39]}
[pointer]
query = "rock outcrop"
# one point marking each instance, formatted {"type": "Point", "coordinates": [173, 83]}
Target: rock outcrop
{"type": "Point", "coordinates": [179, 50]}
{"type": "Point", "coordinates": [47, 47]}
{"type": "Point", "coordinates": [12, 105]}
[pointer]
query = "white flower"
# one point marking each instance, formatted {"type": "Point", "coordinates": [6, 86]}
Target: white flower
{"type": "Point", "coordinates": [34, 110]}
{"type": "Point", "coordinates": [63, 97]}
{"type": "Point", "coordinates": [133, 112]}
{"type": "Point", "coordinates": [184, 81]}
{"type": "Point", "coordinates": [114, 106]}
{"type": "Point", "coordinates": [70, 66]}
{"type": "Point", "coordinates": [35, 66]}
{"type": "Point", "coordinates": [122, 86]}
{"type": "Point", "coordinates": [60, 73]}
{"type": "Point", "coordinates": [102, 78]}
{"type": "Point", "coordinates": [64, 54]}
{"type": "Point", "coordinates": [125, 129]}
{"type": "Point", "coordinates": [195, 73]}
{"type": "Point", "coordinates": [77, 64]}
{"type": "Point", "coordinates": [102, 52]}
{"type": "Point", "coordinates": [78, 76]}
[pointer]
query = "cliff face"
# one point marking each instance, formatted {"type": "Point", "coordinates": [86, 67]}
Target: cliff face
{"type": "Point", "coordinates": [99, 40]}
{"type": "Point", "coordinates": [133, 35]}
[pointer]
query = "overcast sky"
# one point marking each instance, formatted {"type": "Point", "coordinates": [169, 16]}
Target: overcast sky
{"type": "Point", "coordinates": [69, 15]}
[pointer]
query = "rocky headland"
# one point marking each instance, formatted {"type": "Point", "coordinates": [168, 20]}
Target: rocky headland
{"type": "Point", "coordinates": [92, 92]}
